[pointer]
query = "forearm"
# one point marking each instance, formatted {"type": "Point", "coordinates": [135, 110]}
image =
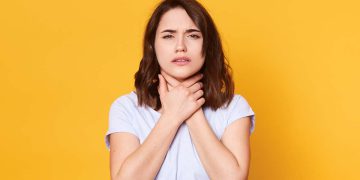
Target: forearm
{"type": "Point", "coordinates": [149, 157]}
{"type": "Point", "coordinates": [222, 166]}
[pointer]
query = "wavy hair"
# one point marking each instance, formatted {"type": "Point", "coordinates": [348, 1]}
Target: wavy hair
{"type": "Point", "coordinates": [218, 83]}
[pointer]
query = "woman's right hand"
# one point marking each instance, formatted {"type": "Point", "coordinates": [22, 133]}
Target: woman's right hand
{"type": "Point", "coordinates": [182, 100]}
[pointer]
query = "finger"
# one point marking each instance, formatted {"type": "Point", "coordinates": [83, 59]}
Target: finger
{"type": "Point", "coordinates": [169, 87]}
{"type": "Point", "coordinates": [196, 87]}
{"type": "Point", "coordinates": [200, 102]}
{"type": "Point", "coordinates": [198, 94]}
{"type": "Point", "coordinates": [170, 80]}
{"type": "Point", "coordinates": [163, 89]}
{"type": "Point", "coordinates": [190, 81]}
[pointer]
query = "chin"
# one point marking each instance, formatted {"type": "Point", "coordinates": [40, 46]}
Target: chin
{"type": "Point", "coordinates": [182, 76]}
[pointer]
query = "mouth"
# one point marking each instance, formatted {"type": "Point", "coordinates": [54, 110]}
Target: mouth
{"type": "Point", "coordinates": [183, 60]}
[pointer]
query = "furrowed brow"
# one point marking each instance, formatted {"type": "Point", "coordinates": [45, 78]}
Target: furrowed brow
{"type": "Point", "coordinates": [174, 31]}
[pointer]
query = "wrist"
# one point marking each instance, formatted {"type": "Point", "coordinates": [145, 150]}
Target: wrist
{"type": "Point", "coordinates": [197, 114]}
{"type": "Point", "coordinates": [172, 119]}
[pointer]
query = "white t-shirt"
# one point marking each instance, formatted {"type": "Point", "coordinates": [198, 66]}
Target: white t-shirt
{"type": "Point", "coordinates": [182, 161]}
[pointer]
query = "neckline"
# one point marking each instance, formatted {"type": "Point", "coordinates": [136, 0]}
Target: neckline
{"type": "Point", "coordinates": [153, 110]}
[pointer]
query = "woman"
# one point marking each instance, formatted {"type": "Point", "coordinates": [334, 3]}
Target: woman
{"type": "Point", "coordinates": [184, 120]}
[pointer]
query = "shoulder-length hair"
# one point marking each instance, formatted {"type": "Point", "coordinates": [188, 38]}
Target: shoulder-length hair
{"type": "Point", "coordinates": [218, 83]}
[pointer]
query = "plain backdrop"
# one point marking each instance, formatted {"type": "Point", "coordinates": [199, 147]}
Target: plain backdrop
{"type": "Point", "coordinates": [62, 63]}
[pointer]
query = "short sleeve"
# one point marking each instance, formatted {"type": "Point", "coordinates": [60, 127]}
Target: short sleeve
{"type": "Point", "coordinates": [119, 119]}
{"type": "Point", "coordinates": [239, 108]}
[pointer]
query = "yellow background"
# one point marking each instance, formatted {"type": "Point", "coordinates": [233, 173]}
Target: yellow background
{"type": "Point", "coordinates": [62, 63]}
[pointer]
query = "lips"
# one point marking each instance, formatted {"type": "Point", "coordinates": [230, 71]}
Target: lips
{"type": "Point", "coordinates": [181, 59]}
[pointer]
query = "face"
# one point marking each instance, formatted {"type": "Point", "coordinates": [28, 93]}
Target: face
{"type": "Point", "coordinates": [177, 36]}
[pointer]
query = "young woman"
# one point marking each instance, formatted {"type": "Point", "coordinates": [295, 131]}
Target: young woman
{"type": "Point", "coordinates": [184, 120]}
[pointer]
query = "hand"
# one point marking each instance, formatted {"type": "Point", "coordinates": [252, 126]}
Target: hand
{"type": "Point", "coordinates": [183, 99]}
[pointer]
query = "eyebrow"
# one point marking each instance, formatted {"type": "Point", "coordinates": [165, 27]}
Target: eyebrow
{"type": "Point", "coordinates": [173, 31]}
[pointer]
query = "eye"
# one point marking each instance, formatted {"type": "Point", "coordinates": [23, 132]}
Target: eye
{"type": "Point", "coordinates": [167, 36]}
{"type": "Point", "coordinates": [195, 36]}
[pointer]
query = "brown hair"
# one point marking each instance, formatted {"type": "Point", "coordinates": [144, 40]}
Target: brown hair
{"type": "Point", "coordinates": [218, 83]}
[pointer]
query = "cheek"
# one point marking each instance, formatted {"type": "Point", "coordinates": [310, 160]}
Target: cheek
{"type": "Point", "coordinates": [196, 47]}
{"type": "Point", "coordinates": [197, 52]}
{"type": "Point", "coordinates": [159, 50]}
{"type": "Point", "coordinates": [162, 54]}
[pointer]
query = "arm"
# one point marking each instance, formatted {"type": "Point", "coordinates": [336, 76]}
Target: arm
{"type": "Point", "coordinates": [233, 152]}
{"type": "Point", "coordinates": [144, 162]}
{"type": "Point", "coordinates": [146, 158]}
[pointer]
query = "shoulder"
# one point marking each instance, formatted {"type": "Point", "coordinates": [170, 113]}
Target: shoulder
{"type": "Point", "coordinates": [237, 101]}
{"type": "Point", "coordinates": [238, 108]}
{"type": "Point", "coordinates": [125, 103]}
{"type": "Point", "coordinates": [129, 99]}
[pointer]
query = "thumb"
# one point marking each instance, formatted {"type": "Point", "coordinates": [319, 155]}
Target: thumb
{"type": "Point", "coordinates": [163, 89]}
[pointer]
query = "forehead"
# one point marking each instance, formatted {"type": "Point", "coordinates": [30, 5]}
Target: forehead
{"type": "Point", "coordinates": [176, 18]}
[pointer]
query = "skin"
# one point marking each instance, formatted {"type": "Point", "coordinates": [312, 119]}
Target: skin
{"type": "Point", "coordinates": [234, 153]}
{"type": "Point", "coordinates": [126, 153]}
{"type": "Point", "coordinates": [184, 39]}
{"type": "Point", "coordinates": [181, 42]}
{"type": "Point", "coordinates": [181, 98]}
{"type": "Point", "coordinates": [233, 149]}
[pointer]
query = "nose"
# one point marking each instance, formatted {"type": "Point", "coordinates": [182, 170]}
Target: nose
{"type": "Point", "coordinates": [180, 45]}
